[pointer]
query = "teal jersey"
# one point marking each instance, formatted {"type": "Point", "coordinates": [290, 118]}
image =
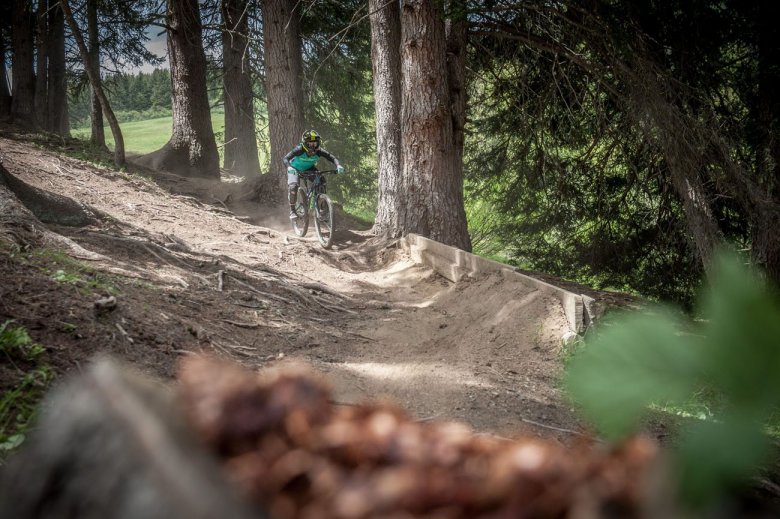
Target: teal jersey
{"type": "Point", "coordinates": [302, 161]}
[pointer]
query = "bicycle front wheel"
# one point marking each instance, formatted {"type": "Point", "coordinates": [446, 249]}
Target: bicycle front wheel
{"type": "Point", "coordinates": [323, 220]}
{"type": "Point", "coordinates": [301, 223]}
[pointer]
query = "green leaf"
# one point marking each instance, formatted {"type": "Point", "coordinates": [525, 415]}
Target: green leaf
{"type": "Point", "coordinates": [629, 366]}
{"type": "Point", "coordinates": [12, 442]}
{"type": "Point", "coordinates": [13, 339]}
{"type": "Point", "coordinates": [743, 349]}
{"type": "Point", "coordinates": [732, 364]}
{"type": "Point", "coordinates": [713, 455]}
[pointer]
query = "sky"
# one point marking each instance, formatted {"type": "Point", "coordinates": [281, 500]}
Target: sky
{"type": "Point", "coordinates": [157, 44]}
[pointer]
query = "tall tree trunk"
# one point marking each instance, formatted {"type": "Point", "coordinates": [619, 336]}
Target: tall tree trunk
{"type": "Point", "coordinates": [768, 105]}
{"type": "Point", "coordinates": [766, 241]}
{"type": "Point", "coordinates": [56, 91]}
{"type": "Point", "coordinates": [456, 30]}
{"type": "Point", "coordinates": [5, 90]}
{"type": "Point", "coordinates": [651, 103]}
{"type": "Point", "coordinates": [98, 135]}
{"type": "Point", "coordinates": [23, 92]}
{"type": "Point", "coordinates": [192, 149]}
{"type": "Point", "coordinates": [766, 237]}
{"type": "Point", "coordinates": [433, 205]}
{"type": "Point", "coordinates": [89, 67]}
{"type": "Point", "coordinates": [705, 233]}
{"type": "Point", "coordinates": [240, 139]}
{"type": "Point", "coordinates": [41, 64]}
{"type": "Point", "coordinates": [283, 78]}
{"type": "Point", "coordinates": [386, 64]}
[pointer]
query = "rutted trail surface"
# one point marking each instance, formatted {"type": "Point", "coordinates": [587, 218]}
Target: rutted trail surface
{"type": "Point", "coordinates": [189, 275]}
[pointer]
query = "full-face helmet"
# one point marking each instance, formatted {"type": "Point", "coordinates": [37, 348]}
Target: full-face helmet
{"type": "Point", "coordinates": [310, 140]}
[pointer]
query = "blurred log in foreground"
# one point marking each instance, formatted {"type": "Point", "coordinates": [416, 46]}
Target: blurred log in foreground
{"type": "Point", "coordinates": [285, 445]}
{"type": "Point", "coordinates": [111, 444]}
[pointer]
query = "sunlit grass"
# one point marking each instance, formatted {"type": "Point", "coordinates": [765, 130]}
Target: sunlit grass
{"type": "Point", "coordinates": [360, 212]}
{"type": "Point", "coordinates": [147, 136]}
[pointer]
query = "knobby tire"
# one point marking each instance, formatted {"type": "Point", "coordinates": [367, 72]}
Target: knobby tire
{"type": "Point", "coordinates": [323, 220]}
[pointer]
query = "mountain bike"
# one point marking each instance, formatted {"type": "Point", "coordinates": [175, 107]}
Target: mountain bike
{"type": "Point", "coordinates": [311, 199]}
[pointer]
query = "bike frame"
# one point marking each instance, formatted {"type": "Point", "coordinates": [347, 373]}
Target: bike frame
{"type": "Point", "coordinates": [310, 182]}
{"type": "Point", "coordinates": [312, 190]}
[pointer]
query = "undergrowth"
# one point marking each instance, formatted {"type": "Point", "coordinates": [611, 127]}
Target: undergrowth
{"type": "Point", "coordinates": [720, 372]}
{"type": "Point", "coordinates": [76, 148]}
{"type": "Point", "coordinates": [26, 376]}
{"type": "Point", "coordinates": [63, 269]}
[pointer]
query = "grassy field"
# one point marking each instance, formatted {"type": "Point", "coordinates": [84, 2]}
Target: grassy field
{"type": "Point", "coordinates": [146, 136]}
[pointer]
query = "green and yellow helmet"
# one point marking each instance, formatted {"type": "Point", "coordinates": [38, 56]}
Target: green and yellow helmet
{"type": "Point", "coordinates": [311, 140]}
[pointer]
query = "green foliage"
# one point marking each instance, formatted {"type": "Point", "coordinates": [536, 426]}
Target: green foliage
{"type": "Point", "coordinates": [126, 116]}
{"type": "Point", "coordinates": [66, 277]}
{"type": "Point", "coordinates": [85, 279]}
{"type": "Point", "coordinates": [86, 151]}
{"type": "Point", "coordinates": [16, 343]}
{"type": "Point", "coordinates": [64, 269]}
{"type": "Point", "coordinates": [562, 138]}
{"type": "Point", "coordinates": [133, 97]}
{"type": "Point", "coordinates": [731, 354]}
{"type": "Point", "coordinates": [644, 356]}
{"type": "Point", "coordinates": [339, 97]}
{"type": "Point", "coordinates": [31, 375]}
{"type": "Point", "coordinates": [68, 327]}
{"type": "Point", "coordinates": [360, 212]}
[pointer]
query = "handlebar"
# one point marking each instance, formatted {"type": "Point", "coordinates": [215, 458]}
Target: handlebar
{"type": "Point", "coordinates": [311, 175]}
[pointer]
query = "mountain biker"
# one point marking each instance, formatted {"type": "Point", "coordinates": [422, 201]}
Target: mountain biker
{"type": "Point", "coordinates": [304, 157]}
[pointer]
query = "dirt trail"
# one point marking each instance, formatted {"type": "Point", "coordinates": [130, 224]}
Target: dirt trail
{"type": "Point", "coordinates": [189, 275]}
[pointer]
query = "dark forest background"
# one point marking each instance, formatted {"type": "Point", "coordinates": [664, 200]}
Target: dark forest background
{"type": "Point", "coordinates": [611, 143]}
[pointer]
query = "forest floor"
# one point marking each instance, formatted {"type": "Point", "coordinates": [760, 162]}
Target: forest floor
{"type": "Point", "coordinates": [189, 275]}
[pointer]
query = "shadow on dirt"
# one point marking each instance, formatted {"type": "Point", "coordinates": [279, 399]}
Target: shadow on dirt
{"type": "Point", "coordinates": [355, 252]}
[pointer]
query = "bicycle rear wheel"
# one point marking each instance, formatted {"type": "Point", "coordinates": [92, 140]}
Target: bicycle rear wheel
{"type": "Point", "coordinates": [323, 220]}
{"type": "Point", "coordinates": [301, 223]}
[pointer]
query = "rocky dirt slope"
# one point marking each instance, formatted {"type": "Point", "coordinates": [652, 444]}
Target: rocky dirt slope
{"type": "Point", "coordinates": [188, 275]}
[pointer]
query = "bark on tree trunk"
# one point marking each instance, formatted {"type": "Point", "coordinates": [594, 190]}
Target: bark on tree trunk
{"type": "Point", "coordinates": [684, 159]}
{"type": "Point", "coordinates": [5, 90]}
{"type": "Point", "coordinates": [240, 139]}
{"type": "Point", "coordinates": [41, 64]}
{"type": "Point", "coordinates": [651, 104]}
{"type": "Point", "coordinates": [283, 78]}
{"type": "Point", "coordinates": [23, 93]}
{"type": "Point", "coordinates": [89, 67]}
{"type": "Point", "coordinates": [57, 84]}
{"type": "Point", "coordinates": [768, 103]}
{"type": "Point", "coordinates": [434, 201]}
{"type": "Point", "coordinates": [766, 243]}
{"type": "Point", "coordinates": [457, 34]}
{"type": "Point", "coordinates": [386, 65]}
{"type": "Point", "coordinates": [192, 149]}
{"type": "Point", "coordinates": [704, 230]}
{"type": "Point", "coordinates": [98, 135]}
{"type": "Point", "coordinates": [766, 238]}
